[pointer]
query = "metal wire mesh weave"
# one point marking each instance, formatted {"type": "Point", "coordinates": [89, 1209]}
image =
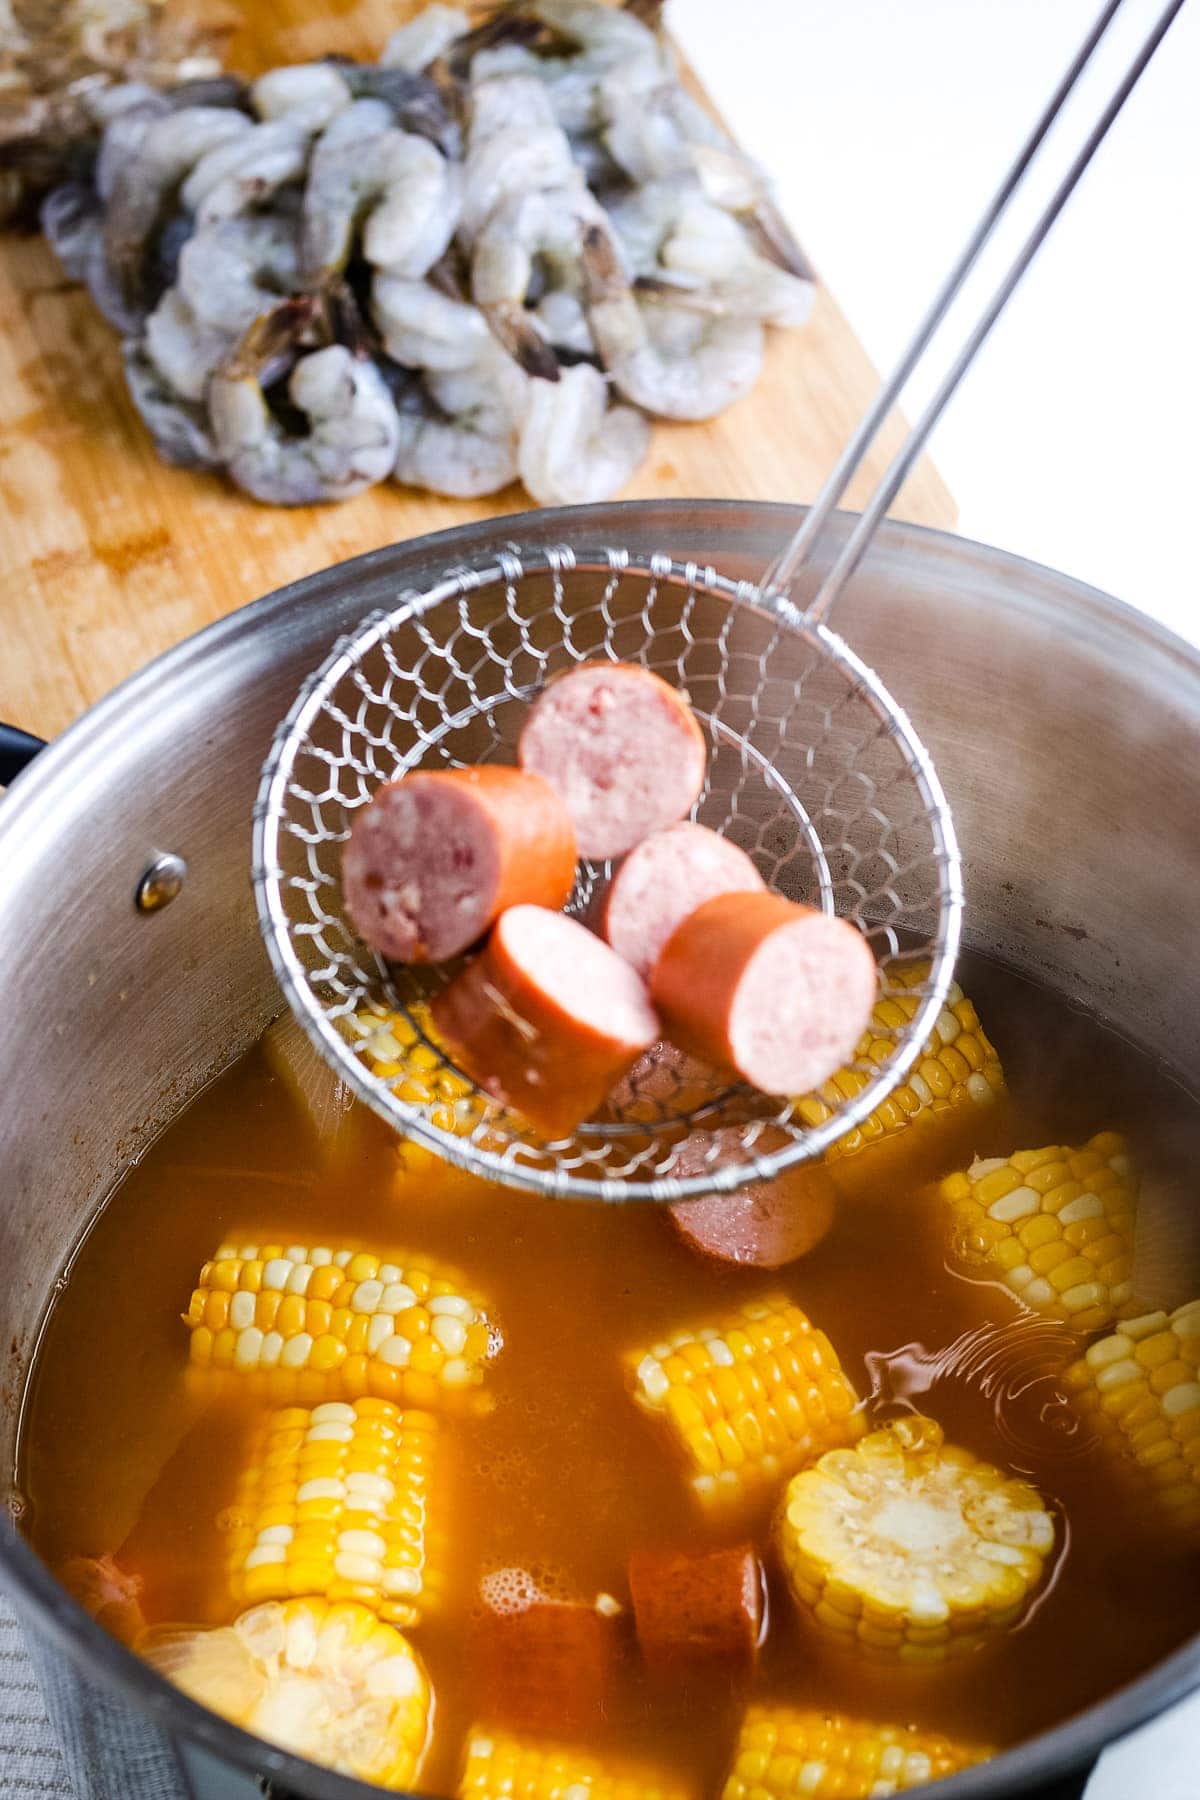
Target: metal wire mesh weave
{"type": "Point", "coordinates": [813, 771]}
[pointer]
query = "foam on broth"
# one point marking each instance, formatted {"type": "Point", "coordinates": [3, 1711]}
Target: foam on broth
{"type": "Point", "coordinates": [565, 1477]}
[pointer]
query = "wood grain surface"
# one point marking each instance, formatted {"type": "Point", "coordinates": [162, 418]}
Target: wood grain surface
{"type": "Point", "coordinates": [107, 557]}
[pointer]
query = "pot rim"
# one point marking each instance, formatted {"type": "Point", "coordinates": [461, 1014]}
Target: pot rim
{"type": "Point", "coordinates": [1045, 592]}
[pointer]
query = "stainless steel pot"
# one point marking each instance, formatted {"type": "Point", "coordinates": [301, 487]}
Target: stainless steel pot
{"type": "Point", "coordinates": [1065, 726]}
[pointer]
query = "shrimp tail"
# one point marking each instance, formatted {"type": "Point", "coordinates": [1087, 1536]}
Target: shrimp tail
{"type": "Point", "coordinates": [300, 323]}
{"type": "Point", "coordinates": [515, 330]}
{"type": "Point", "coordinates": [603, 271]}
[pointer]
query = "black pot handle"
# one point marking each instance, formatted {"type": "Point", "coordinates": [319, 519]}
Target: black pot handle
{"type": "Point", "coordinates": [17, 750]}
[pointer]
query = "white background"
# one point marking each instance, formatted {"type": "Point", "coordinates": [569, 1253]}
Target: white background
{"type": "Point", "coordinates": [886, 127]}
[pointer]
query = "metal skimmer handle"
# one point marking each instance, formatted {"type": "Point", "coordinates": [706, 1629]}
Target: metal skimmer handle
{"type": "Point", "coordinates": [795, 555]}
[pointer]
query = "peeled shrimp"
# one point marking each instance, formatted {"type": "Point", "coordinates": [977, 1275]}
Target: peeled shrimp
{"type": "Point", "coordinates": [310, 94]}
{"type": "Point", "coordinates": [574, 448]}
{"type": "Point", "coordinates": [353, 436]}
{"type": "Point", "coordinates": [419, 197]}
{"type": "Point", "coordinates": [247, 170]}
{"type": "Point", "coordinates": [678, 363]}
{"type": "Point", "coordinates": [424, 39]}
{"type": "Point", "coordinates": [72, 220]}
{"type": "Point", "coordinates": [135, 108]}
{"type": "Point", "coordinates": [424, 329]}
{"type": "Point", "coordinates": [460, 436]}
{"type": "Point", "coordinates": [514, 146]}
{"type": "Point", "coordinates": [562, 321]}
{"type": "Point", "coordinates": [671, 233]}
{"type": "Point", "coordinates": [180, 430]}
{"type": "Point", "coordinates": [233, 272]}
{"type": "Point", "coordinates": [145, 182]}
{"type": "Point", "coordinates": [362, 165]}
{"type": "Point", "coordinates": [543, 232]}
{"type": "Point", "coordinates": [604, 39]}
{"type": "Point", "coordinates": [339, 188]}
{"type": "Point", "coordinates": [183, 349]}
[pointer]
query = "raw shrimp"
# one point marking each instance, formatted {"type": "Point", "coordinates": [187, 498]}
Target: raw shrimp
{"type": "Point", "coordinates": [664, 135]}
{"type": "Point", "coordinates": [310, 94]}
{"type": "Point", "coordinates": [135, 108]}
{"type": "Point", "coordinates": [72, 220]}
{"type": "Point", "coordinates": [362, 164]}
{"type": "Point", "coordinates": [233, 272]}
{"type": "Point", "coordinates": [574, 448]}
{"type": "Point", "coordinates": [415, 219]}
{"type": "Point", "coordinates": [354, 431]}
{"type": "Point", "coordinates": [424, 39]}
{"type": "Point", "coordinates": [514, 146]}
{"type": "Point", "coordinates": [243, 173]}
{"type": "Point", "coordinates": [543, 232]}
{"type": "Point", "coordinates": [560, 318]}
{"type": "Point", "coordinates": [180, 430]}
{"type": "Point", "coordinates": [675, 362]}
{"type": "Point", "coordinates": [424, 329]}
{"type": "Point", "coordinates": [338, 189]}
{"type": "Point", "coordinates": [147, 180]}
{"type": "Point", "coordinates": [604, 40]}
{"type": "Point", "coordinates": [673, 235]}
{"type": "Point", "coordinates": [183, 349]}
{"type": "Point", "coordinates": [459, 436]}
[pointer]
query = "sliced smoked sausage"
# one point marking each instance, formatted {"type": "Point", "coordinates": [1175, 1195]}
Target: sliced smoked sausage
{"type": "Point", "coordinates": [763, 1225]}
{"type": "Point", "coordinates": [663, 879]}
{"type": "Point", "coordinates": [776, 992]}
{"type": "Point", "coordinates": [434, 859]}
{"type": "Point", "coordinates": [693, 1608]}
{"type": "Point", "coordinates": [546, 1018]}
{"type": "Point", "coordinates": [622, 747]}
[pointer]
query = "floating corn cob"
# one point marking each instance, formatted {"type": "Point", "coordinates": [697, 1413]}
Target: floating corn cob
{"type": "Point", "coordinates": [748, 1398]}
{"type": "Point", "coordinates": [786, 1754]}
{"type": "Point", "coordinates": [396, 1048]}
{"type": "Point", "coordinates": [909, 1548]}
{"type": "Point", "coordinates": [332, 1503]}
{"type": "Point", "coordinates": [1140, 1391]}
{"type": "Point", "coordinates": [1055, 1225]}
{"type": "Point", "coordinates": [500, 1767]}
{"type": "Point", "coordinates": [331, 1683]}
{"type": "Point", "coordinates": [312, 1325]}
{"type": "Point", "coordinates": [958, 1069]}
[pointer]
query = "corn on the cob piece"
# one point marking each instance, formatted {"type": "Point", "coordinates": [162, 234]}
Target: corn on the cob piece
{"type": "Point", "coordinates": [1056, 1225]}
{"type": "Point", "coordinates": [748, 1397]}
{"type": "Point", "coordinates": [907, 1547]}
{"type": "Point", "coordinates": [391, 1044]}
{"type": "Point", "coordinates": [1140, 1391]}
{"type": "Point", "coordinates": [784, 1753]}
{"type": "Point", "coordinates": [501, 1767]}
{"type": "Point", "coordinates": [957, 1069]}
{"type": "Point", "coordinates": [312, 1325]}
{"type": "Point", "coordinates": [331, 1683]}
{"type": "Point", "coordinates": [332, 1503]}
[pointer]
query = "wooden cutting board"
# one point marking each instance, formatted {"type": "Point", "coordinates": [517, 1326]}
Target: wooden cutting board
{"type": "Point", "coordinates": [107, 557]}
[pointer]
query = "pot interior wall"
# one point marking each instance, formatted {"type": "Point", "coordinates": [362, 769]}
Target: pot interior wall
{"type": "Point", "coordinates": [1063, 728]}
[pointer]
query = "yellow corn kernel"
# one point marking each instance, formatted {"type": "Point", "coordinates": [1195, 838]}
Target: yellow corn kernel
{"type": "Point", "coordinates": [949, 1547]}
{"type": "Point", "coordinates": [785, 1753]}
{"type": "Point", "coordinates": [958, 1071]}
{"type": "Point", "coordinates": [313, 1325]}
{"type": "Point", "coordinates": [1055, 1226]}
{"type": "Point", "coordinates": [1139, 1391]}
{"type": "Point", "coordinates": [747, 1398]}
{"type": "Point", "coordinates": [390, 1044]}
{"type": "Point", "coordinates": [499, 1766]}
{"type": "Point", "coordinates": [328, 1682]}
{"type": "Point", "coordinates": [332, 1502]}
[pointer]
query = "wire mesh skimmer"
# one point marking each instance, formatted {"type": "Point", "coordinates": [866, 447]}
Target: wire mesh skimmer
{"type": "Point", "coordinates": [814, 770]}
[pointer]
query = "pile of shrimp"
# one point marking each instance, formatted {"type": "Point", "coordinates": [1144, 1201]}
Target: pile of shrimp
{"type": "Point", "coordinates": [493, 255]}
